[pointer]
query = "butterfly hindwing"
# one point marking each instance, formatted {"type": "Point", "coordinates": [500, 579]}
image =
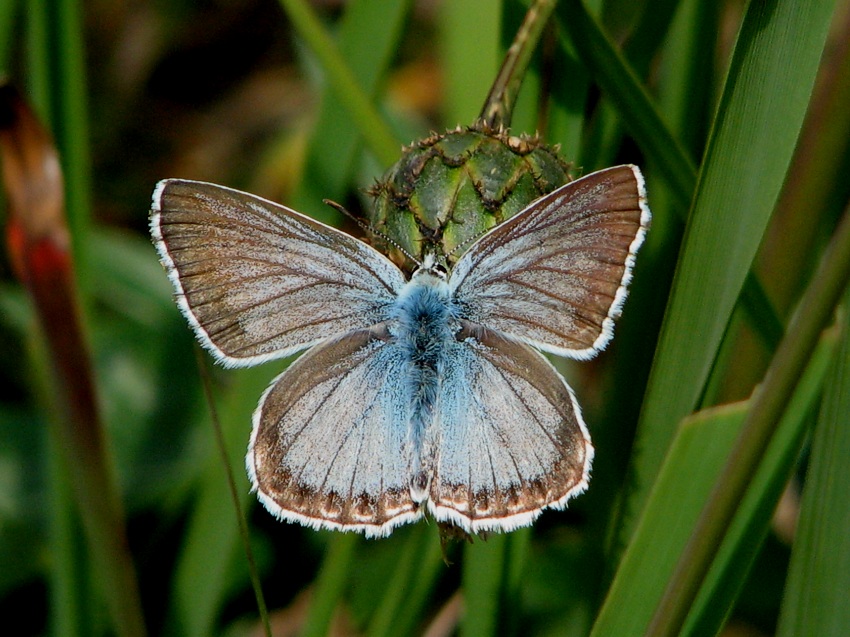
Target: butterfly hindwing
{"type": "Point", "coordinates": [330, 445]}
{"type": "Point", "coordinates": [555, 275]}
{"type": "Point", "coordinates": [259, 281]}
{"type": "Point", "coordinates": [510, 438]}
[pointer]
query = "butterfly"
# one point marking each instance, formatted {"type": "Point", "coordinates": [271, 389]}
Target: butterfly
{"type": "Point", "coordinates": [420, 395]}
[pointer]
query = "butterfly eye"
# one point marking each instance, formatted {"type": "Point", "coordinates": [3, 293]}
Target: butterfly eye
{"type": "Point", "coordinates": [439, 270]}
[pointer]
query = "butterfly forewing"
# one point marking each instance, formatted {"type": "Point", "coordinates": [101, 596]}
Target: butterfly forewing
{"type": "Point", "coordinates": [555, 275]}
{"type": "Point", "coordinates": [330, 444]}
{"type": "Point", "coordinates": [511, 437]}
{"type": "Point", "coordinates": [259, 281]}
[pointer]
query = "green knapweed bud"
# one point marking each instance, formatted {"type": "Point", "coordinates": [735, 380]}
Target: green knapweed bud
{"type": "Point", "coordinates": [449, 189]}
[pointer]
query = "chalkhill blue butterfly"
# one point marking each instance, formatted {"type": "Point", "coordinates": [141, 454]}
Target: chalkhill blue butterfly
{"type": "Point", "coordinates": [420, 395]}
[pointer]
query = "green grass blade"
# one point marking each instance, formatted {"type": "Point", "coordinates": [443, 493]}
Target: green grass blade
{"type": "Point", "coordinates": [640, 48]}
{"type": "Point", "coordinates": [8, 18]}
{"type": "Point", "coordinates": [492, 571]}
{"type": "Point", "coordinates": [649, 32]}
{"type": "Point", "coordinates": [423, 586]}
{"type": "Point", "coordinates": [662, 148]}
{"type": "Point", "coordinates": [691, 466]}
{"type": "Point", "coordinates": [634, 105]}
{"type": "Point", "coordinates": [696, 459]}
{"type": "Point", "coordinates": [769, 403]}
{"type": "Point", "coordinates": [408, 588]}
{"type": "Point", "coordinates": [817, 188]}
{"type": "Point", "coordinates": [70, 97]}
{"type": "Point", "coordinates": [517, 559]}
{"type": "Point", "coordinates": [815, 601]}
{"type": "Point", "coordinates": [330, 583]}
{"type": "Point", "coordinates": [200, 583]}
{"type": "Point", "coordinates": [566, 113]}
{"type": "Point", "coordinates": [470, 57]}
{"type": "Point", "coordinates": [57, 83]}
{"type": "Point", "coordinates": [483, 579]}
{"type": "Point", "coordinates": [760, 311]}
{"type": "Point", "coordinates": [235, 499]}
{"type": "Point", "coordinates": [754, 135]}
{"type": "Point", "coordinates": [370, 124]}
{"type": "Point", "coordinates": [751, 524]}
{"type": "Point", "coordinates": [39, 246]}
{"type": "Point", "coordinates": [368, 38]}
{"type": "Point", "coordinates": [685, 90]}
{"type": "Point", "coordinates": [569, 98]}
{"type": "Point", "coordinates": [69, 615]}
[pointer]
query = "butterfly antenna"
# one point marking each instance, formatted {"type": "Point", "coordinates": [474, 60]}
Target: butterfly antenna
{"type": "Point", "coordinates": [371, 230]}
{"type": "Point", "coordinates": [463, 245]}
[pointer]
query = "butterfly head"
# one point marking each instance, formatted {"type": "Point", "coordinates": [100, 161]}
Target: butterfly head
{"type": "Point", "coordinates": [433, 267]}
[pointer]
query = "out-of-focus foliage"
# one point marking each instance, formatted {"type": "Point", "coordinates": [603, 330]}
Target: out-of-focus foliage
{"type": "Point", "coordinates": [235, 93]}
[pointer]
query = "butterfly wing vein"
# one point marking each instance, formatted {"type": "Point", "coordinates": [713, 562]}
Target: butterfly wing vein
{"type": "Point", "coordinates": [258, 281]}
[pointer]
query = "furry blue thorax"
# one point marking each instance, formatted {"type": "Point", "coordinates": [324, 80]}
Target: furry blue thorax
{"type": "Point", "coordinates": [423, 313]}
{"type": "Point", "coordinates": [423, 324]}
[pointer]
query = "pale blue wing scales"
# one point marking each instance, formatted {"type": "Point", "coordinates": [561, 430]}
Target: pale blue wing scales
{"type": "Point", "coordinates": [510, 441]}
{"type": "Point", "coordinates": [556, 274]}
{"type": "Point", "coordinates": [259, 281]}
{"type": "Point", "coordinates": [330, 445]}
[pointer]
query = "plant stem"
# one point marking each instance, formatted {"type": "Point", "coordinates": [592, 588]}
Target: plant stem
{"type": "Point", "coordinates": [39, 247]}
{"type": "Point", "coordinates": [499, 105]}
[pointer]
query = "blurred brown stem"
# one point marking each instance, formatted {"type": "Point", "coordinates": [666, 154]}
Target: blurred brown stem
{"type": "Point", "coordinates": [39, 247]}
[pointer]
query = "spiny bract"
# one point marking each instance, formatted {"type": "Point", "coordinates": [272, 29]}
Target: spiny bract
{"type": "Point", "coordinates": [449, 189]}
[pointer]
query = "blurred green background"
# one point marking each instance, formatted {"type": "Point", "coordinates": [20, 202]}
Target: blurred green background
{"type": "Point", "coordinates": [738, 114]}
